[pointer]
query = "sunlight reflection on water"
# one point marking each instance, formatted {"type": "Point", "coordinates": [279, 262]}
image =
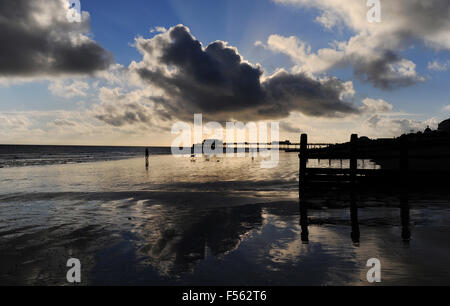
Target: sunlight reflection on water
{"type": "Point", "coordinates": [184, 222]}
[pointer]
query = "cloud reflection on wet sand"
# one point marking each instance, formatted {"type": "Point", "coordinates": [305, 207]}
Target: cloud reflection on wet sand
{"type": "Point", "coordinates": [199, 234]}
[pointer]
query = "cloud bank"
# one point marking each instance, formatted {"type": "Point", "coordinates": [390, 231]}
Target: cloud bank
{"type": "Point", "coordinates": [216, 81]}
{"type": "Point", "coordinates": [38, 40]}
{"type": "Point", "coordinates": [375, 50]}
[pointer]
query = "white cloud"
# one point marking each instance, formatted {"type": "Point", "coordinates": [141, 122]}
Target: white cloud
{"type": "Point", "coordinates": [375, 49]}
{"type": "Point", "coordinates": [377, 119]}
{"type": "Point", "coordinates": [158, 30]}
{"type": "Point", "coordinates": [376, 106]}
{"type": "Point", "coordinates": [123, 109]}
{"type": "Point", "coordinates": [383, 69]}
{"type": "Point", "coordinates": [291, 46]}
{"type": "Point", "coordinates": [380, 126]}
{"type": "Point", "coordinates": [373, 125]}
{"type": "Point", "coordinates": [328, 20]}
{"type": "Point", "coordinates": [73, 127]}
{"type": "Point", "coordinates": [426, 20]}
{"type": "Point", "coordinates": [69, 89]}
{"type": "Point", "coordinates": [13, 122]}
{"type": "Point", "coordinates": [439, 66]}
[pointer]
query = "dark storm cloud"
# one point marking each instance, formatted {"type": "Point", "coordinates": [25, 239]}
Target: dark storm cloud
{"type": "Point", "coordinates": [379, 72]}
{"type": "Point", "coordinates": [217, 82]}
{"type": "Point", "coordinates": [37, 39]}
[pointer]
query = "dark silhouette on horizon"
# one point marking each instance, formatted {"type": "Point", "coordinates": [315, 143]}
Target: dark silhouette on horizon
{"type": "Point", "coordinates": [147, 155]}
{"type": "Point", "coordinates": [415, 160]}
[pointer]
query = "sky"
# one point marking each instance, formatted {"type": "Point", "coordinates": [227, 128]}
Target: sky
{"type": "Point", "coordinates": [123, 72]}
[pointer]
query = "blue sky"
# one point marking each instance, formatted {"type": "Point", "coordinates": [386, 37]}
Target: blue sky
{"type": "Point", "coordinates": [115, 24]}
{"type": "Point", "coordinates": [242, 23]}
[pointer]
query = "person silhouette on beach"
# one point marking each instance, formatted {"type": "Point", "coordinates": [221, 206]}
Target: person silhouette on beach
{"type": "Point", "coordinates": [147, 154]}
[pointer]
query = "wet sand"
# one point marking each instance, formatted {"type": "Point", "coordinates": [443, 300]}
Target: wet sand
{"type": "Point", "coordinates": [214, 226]}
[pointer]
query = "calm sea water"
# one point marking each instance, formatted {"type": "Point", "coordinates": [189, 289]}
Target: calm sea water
{"type": "Point", "coordinates": [29, 155]}
{"type": "Point", "coordinates": [204, 221]}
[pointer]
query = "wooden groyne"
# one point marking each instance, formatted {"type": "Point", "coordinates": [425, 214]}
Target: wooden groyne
{"type": "Point", "coordinates": [354, 179]}
{"type": "Point", "coordinates": [399, 155]}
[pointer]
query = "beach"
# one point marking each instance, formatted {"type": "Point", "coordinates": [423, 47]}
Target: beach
{"type": "Point", "coordinates": [215, 221]}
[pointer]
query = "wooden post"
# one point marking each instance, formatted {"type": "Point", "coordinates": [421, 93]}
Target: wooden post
{"type": "Point", "coordinates": [302, 192]}
{"type": "Point", "coordinates": [404, 163]}
{"type": "Point", "coordinates": [353, 157]}
{"type": "Point", "coordinates": [304, 220]}
{"type": "Point", "coordinates": [404, 179]}
{"type": "Point", "coordinates": [303, 159]}
{"type": "Point", "coordinates": [354, 206]}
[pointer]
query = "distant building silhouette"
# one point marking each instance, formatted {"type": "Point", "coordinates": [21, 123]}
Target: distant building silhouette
{"type": "Point", "coordinates": [444, 126]}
